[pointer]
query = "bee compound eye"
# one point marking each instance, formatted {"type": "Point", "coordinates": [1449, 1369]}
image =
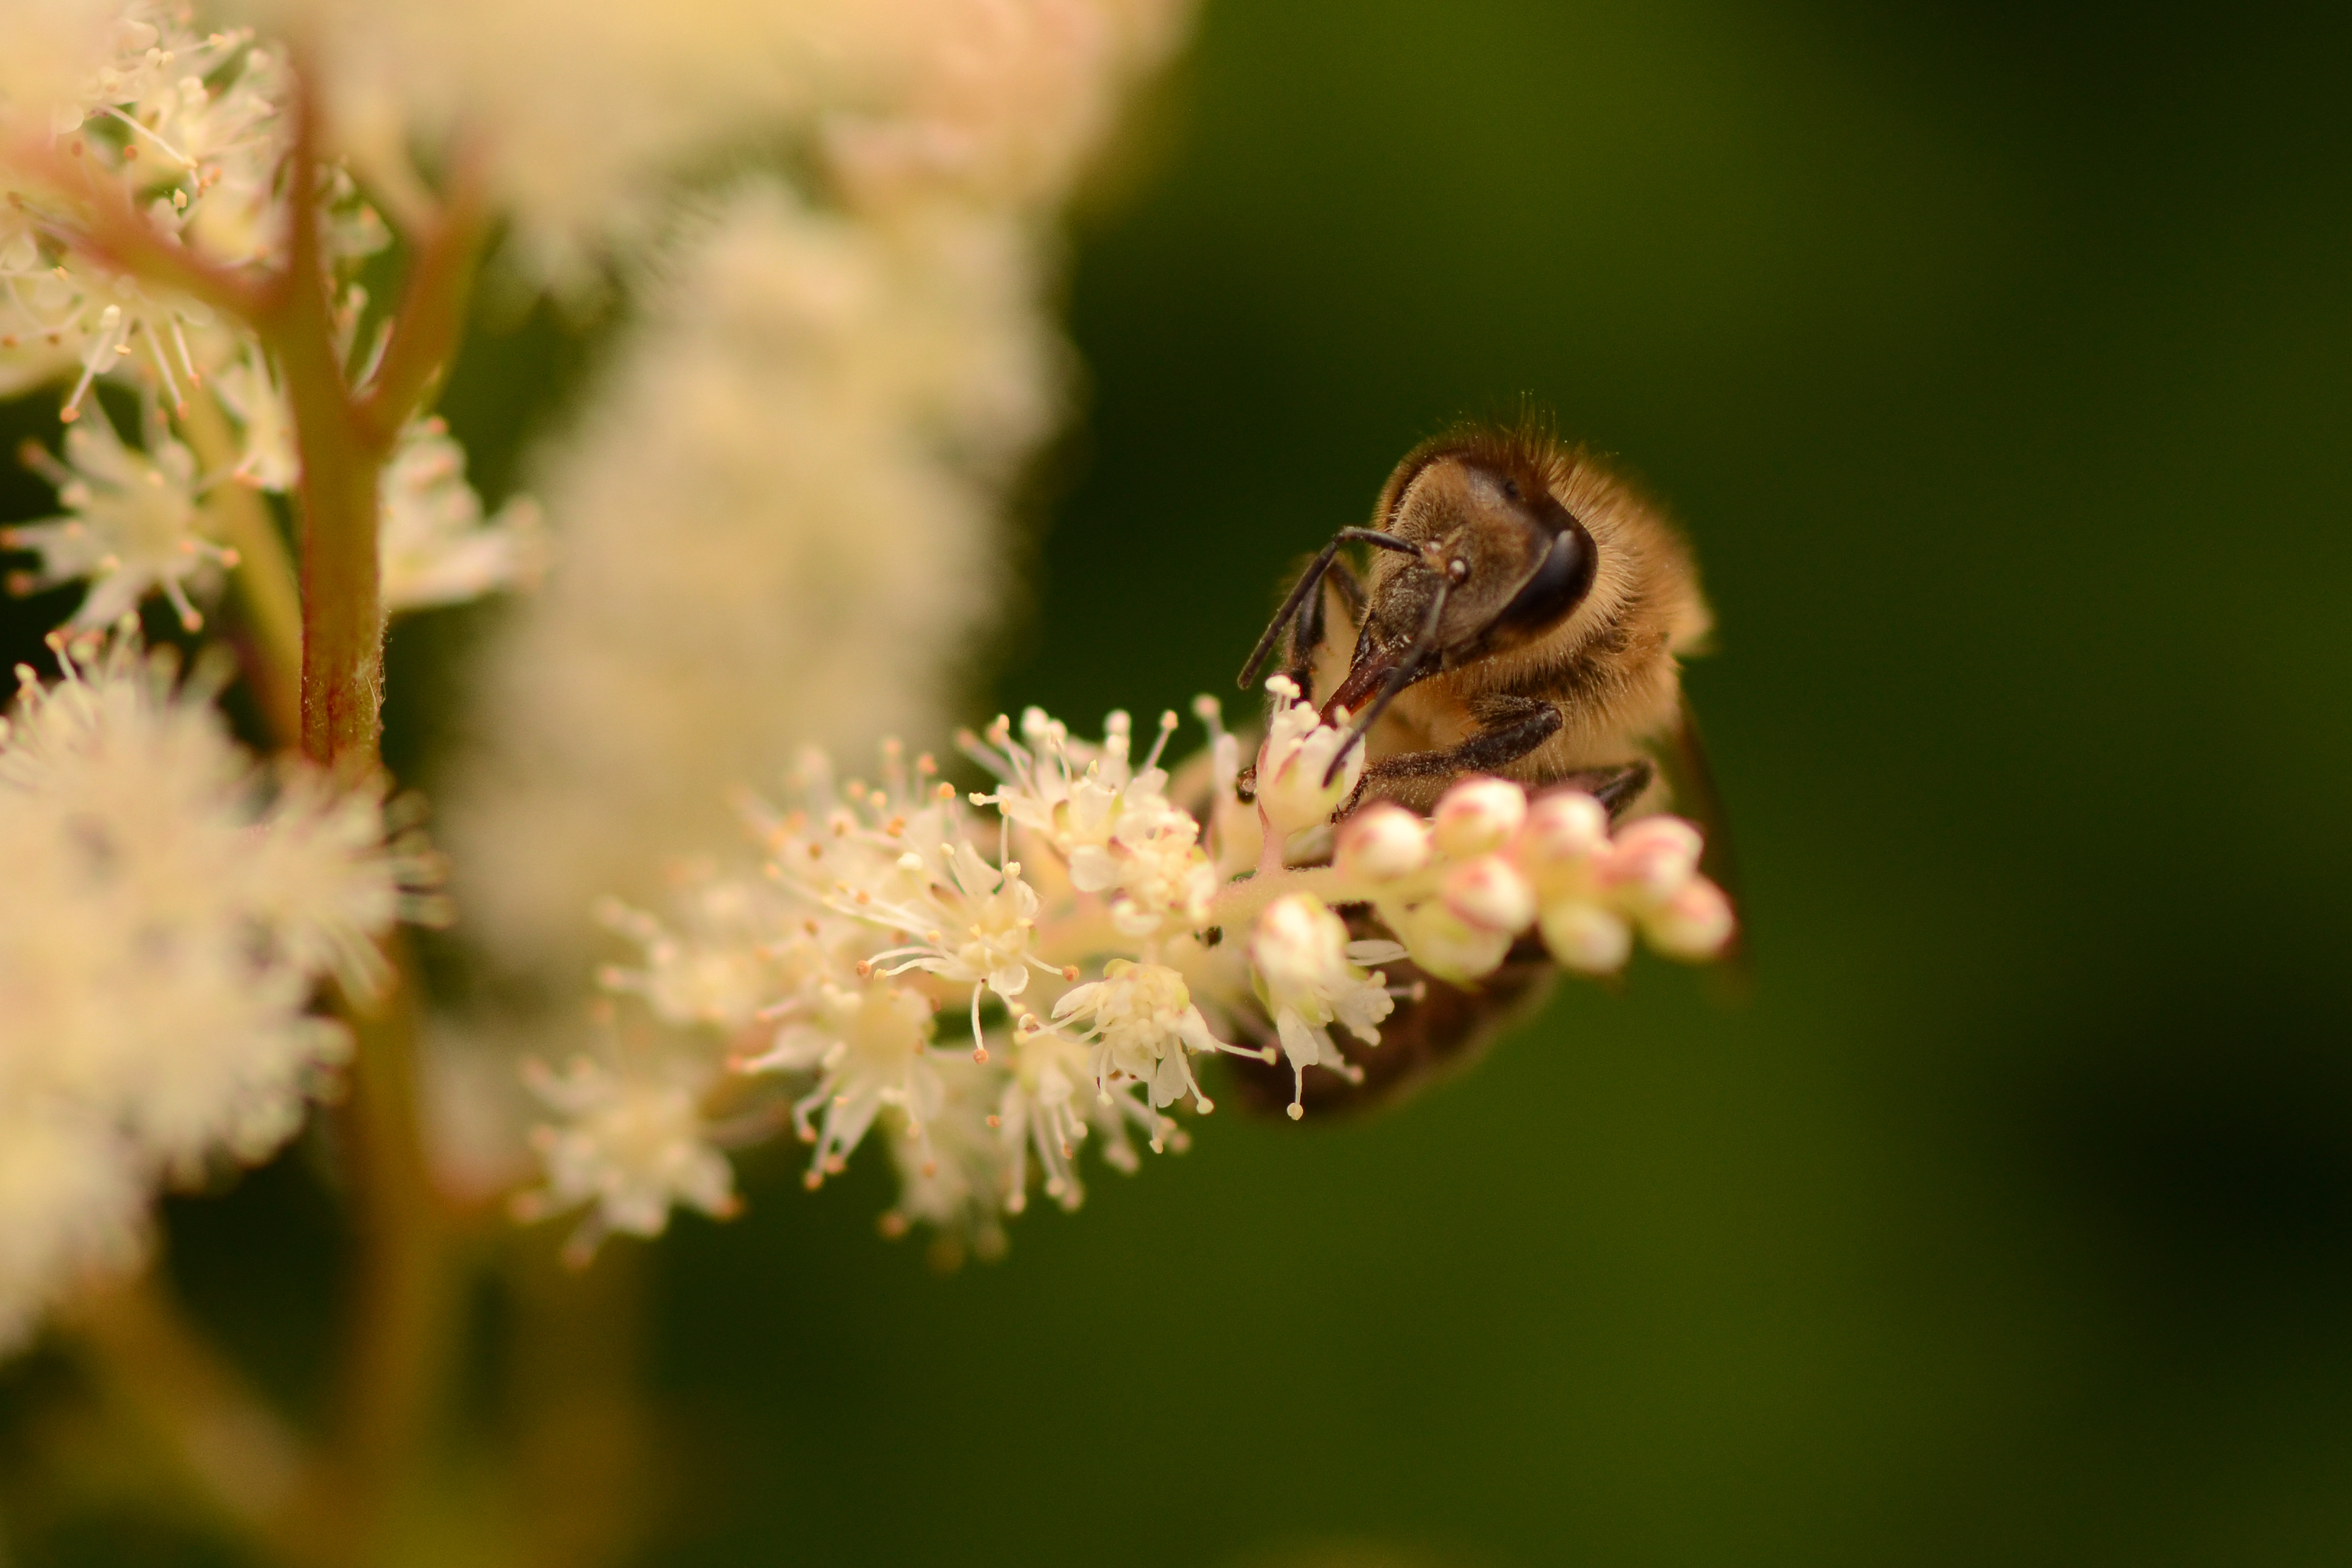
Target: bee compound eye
{"type": "Point", "coordinates": [1558, 585]}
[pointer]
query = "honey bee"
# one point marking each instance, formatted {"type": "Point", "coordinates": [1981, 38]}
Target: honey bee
{"type": "Point", "coordinates": [1524, 614]}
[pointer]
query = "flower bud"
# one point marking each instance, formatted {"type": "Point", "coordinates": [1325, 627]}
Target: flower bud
{"type": "Point", "coordinates": [1477, 815]}
{"type": "Point", "coordinates": [1695, 923]}
{"type": "Point", "coordinates": [1586, 937]}
{"type": "Point", "coordinates": [1654, 857]}
{"type": "Point", "coordinates": [1564, 827]}
{"type": "Point", "coordinates": [1490, 894]}
{"type": "Point", "coordinates": [1448, 946]}
{"type": "Point", "coordinates": [1381, 844]}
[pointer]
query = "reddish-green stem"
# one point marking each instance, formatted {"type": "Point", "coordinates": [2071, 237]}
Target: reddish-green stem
{"type": "Point", "coordinates": [405, 1289]}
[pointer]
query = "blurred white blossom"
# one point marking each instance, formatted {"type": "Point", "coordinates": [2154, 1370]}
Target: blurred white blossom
{"type": "Point", "coordinates": [183, 122]}
{"type": "Point", "coordinates": [436, 547]}
{"type": "Point", "coordinates": [987, 102]}
{"type": "Point", "coordinates": [775, 527]}
{"type": "Point", "coordinates": [778, 515]}
{"type": "Point", "coordinates": [135, 523]}
{"type": "Point", "coordinates": [630, 1144]}
{"type": "Point", "coordinates": [169, 914]}
{"type": "Point", "coordinates": [130, 525]}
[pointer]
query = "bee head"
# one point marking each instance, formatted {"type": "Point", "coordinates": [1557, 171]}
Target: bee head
{"type": "Point", "coordinates": [1486, 512]}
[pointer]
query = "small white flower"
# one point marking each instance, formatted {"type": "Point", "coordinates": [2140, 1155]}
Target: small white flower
{"type": "Point", "coordinates": [953, 1171]}
{"type": "Point", "coordinates": [250, 389]}
{"type": "Point", "coordinates": [866, 1046]}
{"type": "Point", "coordinates": [1140, 1020]}
{"type": "Point", "coordinates": [327, 882]}
{"type": "Point", "coordinates": [437, 549]}
{"type": "Point", "coordinates": [1041, 1110]}
{"type": "Point", "coordinates": [130, 525]}
{"type": "Point", "coordinates": [632, 1143]}
{"type": "Point", "coordinates": [1112, 825]}
{"type": "Point", "coordinates": [1294, 761]}
{"type": "Point", "coordinates": [723, 967]}
{"type": "Point", "coordinates": [1045, 1112]}
{"type": "Point", "coordinates": [1308, 970]}
{"type": "Point", "coordinates": [978, 923]}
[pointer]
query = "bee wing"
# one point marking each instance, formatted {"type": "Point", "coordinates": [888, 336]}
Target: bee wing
{"type": "Point", "coordinates": [1691, 779]}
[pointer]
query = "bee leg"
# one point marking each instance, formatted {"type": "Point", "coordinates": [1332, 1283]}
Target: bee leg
{"type": "Point", "coordinates": [1308, 630]}
{"type": "Point", "coordinates": [1514, 727]}
{"type": "Point", "coordinates": [1615, 788]}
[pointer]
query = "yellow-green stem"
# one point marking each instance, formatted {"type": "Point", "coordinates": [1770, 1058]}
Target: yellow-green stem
{"type": "Point", "coordinates": [405, 1280]}
{"type": "Point", "coordinates": [269, 598]}
{"type": "Point", "coordinates": [343, 613]}
{"type": "Point", "coordinates": [404, 1293]}
{"type": "Point", "coordinates": [405, 1289]}
{"type": "Point", "coordinates": [1238, 903]}
{"type": "Point", "coordinates": [159, 1370]}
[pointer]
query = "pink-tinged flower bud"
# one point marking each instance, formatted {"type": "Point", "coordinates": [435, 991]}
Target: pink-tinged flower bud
{"type": "Point", "coordinates": [1478, 815]}
{"type": "Point", "coordinates": [1490, 894]}
{"type": "Point", "coordinates": [1564, 827]}
{"type": "Point", "coordinates": [1450, 947]}
{"type": "Point", "coordinates": [1381, 844]}
{"type": "Point", "coordinates": [1654, 857]}
{"type": "Point", "coordinates": [1694, 924]}
{"type": "Point", "coordinates": [1586, 937]}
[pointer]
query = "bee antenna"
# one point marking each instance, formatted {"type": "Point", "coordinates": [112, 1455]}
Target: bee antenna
{"type": "Point", "coordinates": [1305, 585]}
{"type": "Point", "coordinates": [1408, 669]}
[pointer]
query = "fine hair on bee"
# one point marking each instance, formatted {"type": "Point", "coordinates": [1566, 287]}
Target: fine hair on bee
{"type": "Point", "coordinates": [1520, 611]}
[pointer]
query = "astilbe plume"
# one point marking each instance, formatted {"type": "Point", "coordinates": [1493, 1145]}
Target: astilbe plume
{"type": "Point", "coordinates": [172, 909]}
{"type": "Point", "coordinates": [992, 982]}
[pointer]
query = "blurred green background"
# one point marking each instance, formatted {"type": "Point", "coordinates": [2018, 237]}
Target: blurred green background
{"type": "Point", "coordinates": [1996, 357]}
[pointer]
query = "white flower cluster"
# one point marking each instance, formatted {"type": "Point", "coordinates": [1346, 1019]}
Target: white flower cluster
{"type": "Point", "coordinates": [190, 127]}
{"type": "Point", "coordinates": [829, 386]}
{"type": "Point", "coordinates": [1087, 947]}
{"type": "Point", "coordinates": [169, 914]}
{"type": "Point", "coordinates": [989, 103]}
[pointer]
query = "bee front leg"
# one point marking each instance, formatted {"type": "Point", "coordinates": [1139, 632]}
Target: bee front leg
{"type": "Point", "coordinates": [1308, 630]}
{"type": "Point", "coordinates": [1615, 788]}
{"type": "Point", "coordinates": [1513, 726]}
